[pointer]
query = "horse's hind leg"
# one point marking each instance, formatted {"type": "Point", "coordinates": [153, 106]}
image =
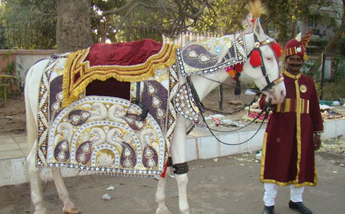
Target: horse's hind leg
{"type": "Point", "coordinates": [35, 182]}
{"type": "Point", "coordinates": [63, 193]}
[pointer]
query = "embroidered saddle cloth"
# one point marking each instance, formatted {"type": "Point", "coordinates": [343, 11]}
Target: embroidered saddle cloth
{"type": "Point", "coordinates": [103, 134]}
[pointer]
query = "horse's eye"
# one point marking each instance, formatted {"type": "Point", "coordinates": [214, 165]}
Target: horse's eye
{"type": "Point", "coordinates": [269, 58]}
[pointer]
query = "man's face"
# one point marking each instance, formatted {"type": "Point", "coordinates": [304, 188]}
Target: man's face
{"type": "Point", "coordinates": [294, 63]}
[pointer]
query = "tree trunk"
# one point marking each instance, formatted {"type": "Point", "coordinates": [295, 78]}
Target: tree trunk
{"type": "Point", "coordinates": [73, 29]}
{"type": "Point", "coordinates": [332, 43]}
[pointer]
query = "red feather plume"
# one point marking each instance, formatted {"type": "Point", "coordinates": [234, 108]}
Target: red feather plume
{"type": "Point", "coordinates": [255, 58]}
{"type": "Point", "coordinates": [277, 49]}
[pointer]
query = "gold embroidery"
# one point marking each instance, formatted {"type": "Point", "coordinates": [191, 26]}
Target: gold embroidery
{"type": "Point", "coordinates": [264, 147]}
{"type": "Point", "coordinates": [75, 65]}
{"type": "Point", "coordinates": [287, 105]}
{"type": "Point", "coordinates": [279, 107]}
{"type": "Point", "coordinates": [298, 127]}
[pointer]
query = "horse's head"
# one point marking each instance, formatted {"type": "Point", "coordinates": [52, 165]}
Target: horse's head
{"type": "Point", "coordinates": [262, 64]}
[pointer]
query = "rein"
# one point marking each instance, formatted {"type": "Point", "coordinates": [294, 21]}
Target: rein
{"type": "Point", "coordinates": [222, 112]}
{"type": "Point", "coordinates": [202, 109]}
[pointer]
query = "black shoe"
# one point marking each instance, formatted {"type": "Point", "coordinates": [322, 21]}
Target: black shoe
{"type": "Point", "coordinates": [268, 210]}
{"type": "Point", "coordinates": [299, 207]}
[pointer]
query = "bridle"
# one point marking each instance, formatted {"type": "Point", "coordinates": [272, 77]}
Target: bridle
{"type": "Point", "coordinates": [269, 83]}
{"type": "Point", "coordinates": [266, 108]}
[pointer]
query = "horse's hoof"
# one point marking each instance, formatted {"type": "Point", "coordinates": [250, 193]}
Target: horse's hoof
{"type": "Point", "coordinates": [73, 210]}
{"type": "Point", "coordinates": [166, 212]}
{"type": "Point", "coordinates": [163, 211]}
{"type": "Point", "coordinates": [44, 212]}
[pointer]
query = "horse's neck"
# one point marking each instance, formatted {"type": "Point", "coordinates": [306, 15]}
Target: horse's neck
{"type": "Point", "coordinates": [249, 41]}
{"type": "Point", "coordinates": [204, 86]}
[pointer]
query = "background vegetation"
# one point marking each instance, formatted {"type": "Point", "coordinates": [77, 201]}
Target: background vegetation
{"type": "Point", "coordinates": [32, 24]}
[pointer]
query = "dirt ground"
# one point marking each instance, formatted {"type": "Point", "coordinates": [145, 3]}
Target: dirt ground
{"type": "Point", "coordinates": [226, 185]}
{"type": "Point", "coordinates": [12, 115]}
{"type": "Point", "coordinates": [216, 186]}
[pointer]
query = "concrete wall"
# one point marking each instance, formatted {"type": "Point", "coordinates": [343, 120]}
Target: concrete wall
{"type": "Point", "coordinates": [24, 59]}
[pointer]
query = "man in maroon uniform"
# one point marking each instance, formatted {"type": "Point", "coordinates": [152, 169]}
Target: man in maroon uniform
{"type": "Point", "coordinates": [293, 134]}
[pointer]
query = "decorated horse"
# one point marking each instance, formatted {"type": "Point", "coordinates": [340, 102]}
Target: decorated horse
{"type": "Point", "coordinates": [124, 109]}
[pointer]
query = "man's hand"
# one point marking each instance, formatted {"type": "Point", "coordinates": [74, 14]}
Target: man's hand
{"type": "Point", "coordinates": [317, 141]}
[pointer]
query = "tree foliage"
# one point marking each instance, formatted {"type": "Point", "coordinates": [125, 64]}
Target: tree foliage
{"type": "Point", "coordinates": [122, 20]}
{"type": "Point", "coordinates": [284, 14]}
{"type": "Point", "coordinates": [224, 18]}
{"type": "Point", "coordinates": [29, 24]}
{"type": "Point", "coordinates": [126, 20]}
{"type": "Point", "coordinates": [130, 20]}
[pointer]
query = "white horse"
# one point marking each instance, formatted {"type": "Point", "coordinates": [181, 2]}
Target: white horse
{"type": "Point", "coordinates": [264, 71]}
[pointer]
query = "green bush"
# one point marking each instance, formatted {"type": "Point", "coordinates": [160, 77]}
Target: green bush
{"type": "Point", "coordinates": [9, 79]}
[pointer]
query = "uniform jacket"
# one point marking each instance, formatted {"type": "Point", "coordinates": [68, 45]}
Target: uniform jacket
{"type": "Point", "coordinates": [288, 147]}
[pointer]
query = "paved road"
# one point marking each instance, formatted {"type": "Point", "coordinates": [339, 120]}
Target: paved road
{"type": "Point", "coordinates": [216, 186]}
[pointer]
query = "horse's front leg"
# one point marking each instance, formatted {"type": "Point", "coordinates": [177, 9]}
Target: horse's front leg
{"type": "Point", "coordinates": [160, 193]}
{"type": "Point", "coordinates": [63, 193]}
{"type": "Point", "coordinates": [35, 182]}
{"type": "Point", "coordinates": [179, 163]}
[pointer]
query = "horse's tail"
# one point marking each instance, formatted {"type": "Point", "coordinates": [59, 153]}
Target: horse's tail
{"type": "Point", "coordinates": [256, 8]}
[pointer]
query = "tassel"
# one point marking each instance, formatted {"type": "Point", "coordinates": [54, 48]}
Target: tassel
{"type": "Point", "coordinates": [238, 85]}
{"type": "Point", "coordinates": [277, 49]}
{"type": "Point", "coordinates": [255, 58]}
{"type": "Point", "coordinates": [230, 70]}
{"type": "Point", "coordinates": [239, 67]}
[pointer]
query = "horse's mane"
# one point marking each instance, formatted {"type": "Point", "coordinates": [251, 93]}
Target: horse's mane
{"type": "Point", "coordinates": [256, 8]}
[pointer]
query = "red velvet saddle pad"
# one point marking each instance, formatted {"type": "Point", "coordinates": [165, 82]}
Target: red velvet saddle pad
{"type": "Point", "coordinates": [128, 53]}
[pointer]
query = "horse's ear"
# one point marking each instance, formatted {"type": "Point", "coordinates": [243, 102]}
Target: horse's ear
{"type": "Point", "coordinates": [248, 24]}
{"type": "Point", "coordinates": [258, 31]}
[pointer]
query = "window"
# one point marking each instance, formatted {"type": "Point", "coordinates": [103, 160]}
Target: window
{"type": "Point", "coordinates": [312, 22]}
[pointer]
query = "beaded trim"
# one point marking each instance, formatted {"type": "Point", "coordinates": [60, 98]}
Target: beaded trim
{"type": "Point", "coordinates": [185, 105]}
{"type": "Point", "coordinates": [43, 112]}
